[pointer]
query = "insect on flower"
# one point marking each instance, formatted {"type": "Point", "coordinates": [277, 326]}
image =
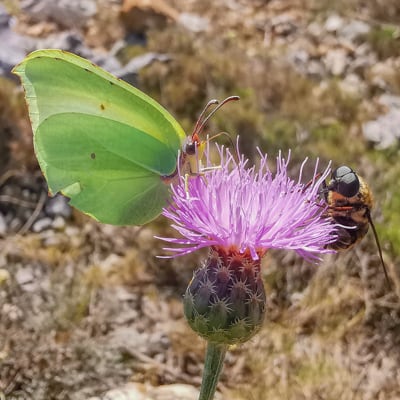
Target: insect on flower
{"type": "Point", "coordinates": [243, 209]}
{"type": "Point", "coordinates": [193, 148]}
{"type": "Point", "coordinates": [350, 202]}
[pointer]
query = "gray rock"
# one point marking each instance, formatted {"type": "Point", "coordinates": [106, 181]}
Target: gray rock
{"type": "Point", "coordinates": [315, 69]}
{"type": "Point", "coordinates": [315, 29]}
{"type": "Point", "coordinates": [42, 224]}
{"type": "Point", "coordinates": [383, 74]}
{"type": "Point", "coordinates": [354, 29]}
{"type": "Point", "coordinates": [363, 59]}
{"type": "Point", "coordinates": [139, 391]}
{"type": "Point", "coordinates": [345, 29]}
{"type": "Point", "coordinates": [129, 391]}
{"type": "Point", "coordinates": [384, 131]}
{"type": "Point", "coordinates": [13, 45]}
{"type": "Point", "coordinates": [12, 313]}
{"type": "Point", "coordinates": [334, 23]}
{"type": "Point", "coordinates": [390, 101]}
{"type": "Point", "coordinates": [68, 13]}
{"type": "Point", "coordinates": [193, 22]}
{"type": "Point", "coordinates": [5, 17]}
{"type": "Point", "coordinates": [108, 62]}
{"type": "Point", "coordinates": [336, 61]}
{"type": "Point", "coordinates": [129, 71]}
{"type": "Point", "coordinates": [353, 85]}
{"type": "Point", "coordinates": [24, 276]}
{"type": "Point", "coordinates": [66, 40]}
{"type": "Point", "coordinates": [3, 225]}
{"type": "Point", "coordinates": [299, 58]}
{"type": "Point", "coordinates": [128, 339]}
{"type": "Point", "coordinates": [58, 223]}
{"type": "Point", "coordinates": [176, 391]}
{"type": "Point", "coordinates": [58, 206]}
{"type": "Point", "coordinates": [74, 42]}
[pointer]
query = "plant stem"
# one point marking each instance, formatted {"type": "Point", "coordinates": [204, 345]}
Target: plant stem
{"type": "Point", "coordinates": [213, 364]}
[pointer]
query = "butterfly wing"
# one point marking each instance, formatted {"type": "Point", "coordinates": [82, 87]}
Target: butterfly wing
{"type": "Point", "coordinates": [98, 140]}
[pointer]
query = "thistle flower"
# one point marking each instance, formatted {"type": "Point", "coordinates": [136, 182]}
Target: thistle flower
{"type": "Point", "coordinates": [250, 210]}
{"type": "Point", "coordinates": [240, 212]}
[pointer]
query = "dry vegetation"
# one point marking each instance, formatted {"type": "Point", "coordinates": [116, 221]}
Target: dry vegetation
{"type": "Point", "coordinates": [86, 308]}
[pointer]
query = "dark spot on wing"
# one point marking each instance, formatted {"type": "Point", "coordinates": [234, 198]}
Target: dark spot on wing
{"type": "Point", "coordinates": [111, 83]}
{"type": "Point", "coordinates": [93, 156]}
{"type": "Point", "coordinates": [102, 106]}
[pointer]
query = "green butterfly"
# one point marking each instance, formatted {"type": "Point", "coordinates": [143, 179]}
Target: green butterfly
{"type": "Point", "coordinates": [106, 145]}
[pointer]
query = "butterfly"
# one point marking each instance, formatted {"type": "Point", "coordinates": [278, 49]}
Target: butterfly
{"type": "Point", "coordinates": [107, 146]}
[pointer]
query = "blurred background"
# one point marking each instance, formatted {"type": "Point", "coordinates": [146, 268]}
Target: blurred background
{"type": "Point", "coordinates": [87, 311]}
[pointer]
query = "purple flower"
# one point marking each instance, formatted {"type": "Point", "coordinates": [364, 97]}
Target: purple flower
{"type": "Point", "coordinates": [240, 209]}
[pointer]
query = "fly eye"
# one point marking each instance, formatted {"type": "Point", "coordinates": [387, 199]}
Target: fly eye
{"type": "Point", "coordinates": [345, 181]}
{"type": "Point", "coordinates": [340, 172]}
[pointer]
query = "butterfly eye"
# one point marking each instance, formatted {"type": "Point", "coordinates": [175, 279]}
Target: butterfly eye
{"type": "Point", "coordinates": [345, 181]}
{"type": "Point", "coordinates": [190, 148]}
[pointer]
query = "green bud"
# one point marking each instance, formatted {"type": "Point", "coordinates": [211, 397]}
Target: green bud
{"type": "Point", "coordinates": [225, 300]}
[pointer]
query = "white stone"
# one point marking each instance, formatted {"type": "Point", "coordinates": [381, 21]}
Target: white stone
{"type": "Point", "coordinates": [334, 23]}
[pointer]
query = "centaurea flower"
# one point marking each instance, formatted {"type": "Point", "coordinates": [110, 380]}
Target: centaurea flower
{"type": "Point", "coordinates": [250, 210]}
{"type": "Point", "coordinates": [240, 212]}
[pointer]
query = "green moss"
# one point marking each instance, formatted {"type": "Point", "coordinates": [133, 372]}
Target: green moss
{"type": "Point", "coordinates": [386, 193]}
{"type": "Point", "coordinates": [330, 141]}
{"type": "Point", "coordinates": [179, 86]}
{"type": "Point", "coordinates": [385, 41]}
{"type": "Point", "coordinates": [279, 134]}
{"type": "Point", "coordinates": [389, 230]}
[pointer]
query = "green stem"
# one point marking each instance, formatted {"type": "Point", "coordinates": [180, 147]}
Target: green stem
{"type": "Point", "coordinates": [213, 364]}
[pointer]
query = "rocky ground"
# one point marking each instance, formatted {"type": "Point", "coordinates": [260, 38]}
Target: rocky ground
{"type": "Point", "coordinates": [88, 312]}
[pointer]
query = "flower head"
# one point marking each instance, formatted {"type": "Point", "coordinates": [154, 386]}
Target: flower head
{"type": "Point", "coordinates": [244, 209]}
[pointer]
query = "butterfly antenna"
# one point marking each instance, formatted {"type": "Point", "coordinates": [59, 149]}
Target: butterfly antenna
{"type": "Point", "coordinates": [200, 119]}
{"type": "Point", "coordinates": [379, 249]}
{"type": "Point", "coordinates": [201, 122]}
